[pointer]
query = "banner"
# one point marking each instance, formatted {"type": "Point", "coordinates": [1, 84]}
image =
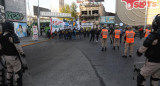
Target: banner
{"type": "Point", "coordinates": [87, 25]}
{"type": "Point", "coordinates": [141, 4]}
{"type": "Point", "coordinates": [35, 33]}
{"type": "Point", "coordinates": [20, 29]}
{"type": "Point", "coordinates": [107, 19]}
{"type": "Point", "coordinates": [56, 25]}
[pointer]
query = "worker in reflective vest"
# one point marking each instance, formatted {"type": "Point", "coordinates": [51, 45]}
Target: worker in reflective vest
{"type": "Point", "coordinates": [104, 34]}
{"type": "Point", "coordinates": [129, 38]}
{"type": "Point", "coordinates": [147, 32]}
{"type": "Point", "coordinates": [116, 33]}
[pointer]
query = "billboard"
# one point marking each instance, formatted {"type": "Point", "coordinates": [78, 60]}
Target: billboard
{"type": "Point", "coordinates": [137, 12]}
{"type": "Point", "coordinates": [20, 29]}
{"type": "Point", "coordinates": [107, 19]}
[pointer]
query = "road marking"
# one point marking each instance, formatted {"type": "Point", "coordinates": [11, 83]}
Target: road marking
{"type": "Point", "coordinates": [35, 43]}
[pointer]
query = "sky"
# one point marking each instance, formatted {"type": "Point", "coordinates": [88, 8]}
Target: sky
{"type": "Point", "coordinates": [108, 4]}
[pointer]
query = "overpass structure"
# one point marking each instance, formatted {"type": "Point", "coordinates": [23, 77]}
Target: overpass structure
{"type": "Point", "coordinates": [55, 14]}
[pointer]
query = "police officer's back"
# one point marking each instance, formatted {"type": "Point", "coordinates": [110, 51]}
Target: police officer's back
{"type": "Point", "coordinates": [10, 48]}
{"type": "Point", "coordinates": [151, 48]}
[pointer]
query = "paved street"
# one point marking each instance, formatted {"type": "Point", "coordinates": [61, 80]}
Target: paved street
{"type": "Point", "coordinates": [78, 63]}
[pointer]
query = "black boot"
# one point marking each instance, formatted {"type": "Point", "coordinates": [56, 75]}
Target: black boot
{"type": "Point", "coordinates": [111, 41]}
{"type": "Point", "coordinates": [118, 47]}
{"type": "Point", "coordinates": [19, 80]}
{"type": "Point", "coordinates": [105, 49]}
{"type": "Point", "coordinates": [124, 56]}
{"type": "Point", "coordinates": [113, 48]}
{"type": "Point", "coordinates": [130, 56]}
{"type": "Point", "coordinates": [102, 49]}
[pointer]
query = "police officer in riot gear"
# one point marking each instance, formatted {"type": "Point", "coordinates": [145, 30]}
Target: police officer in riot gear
{"type": "Point", "coordinates": [11, 49]}
{"type": "Point", "coordinates": [151, 48]}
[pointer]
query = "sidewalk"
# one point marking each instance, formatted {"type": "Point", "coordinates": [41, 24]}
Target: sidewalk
{"type": "Point", "coordinates": [24, 41]}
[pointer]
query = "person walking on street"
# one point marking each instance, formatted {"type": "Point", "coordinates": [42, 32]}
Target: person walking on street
{"type": "Point", "coordinates": [88, 31]}
{"type": "Point", "coordinates": [129, 42]}
{"type": "Point", "coordinates": [151, 48]}
{"type": "Point", "coordinates": [49, 34]}
{"type": "Point", "coordinates": [116, 33]}
{"type": "Point", "coordinates": [97, 34]}
{"type": "Point", "coordinates": [11, 49]}
{"type": "Point", "coordinates": [147, 32]}
{"type": "Point", "coordinates": [111, 30]}
{"type": "Point", "coordinates": [141, 33]}
{"type": "Point", "coordinates": [121, 34]}
{"type": "Point", "coordinates": [55, 34]}
{"type": "Point", "coordinates": [104, 34]}
{"type": "Point", "coordinates": [85, 33]}
{"type": "Point", "coordinates": [92, 35]}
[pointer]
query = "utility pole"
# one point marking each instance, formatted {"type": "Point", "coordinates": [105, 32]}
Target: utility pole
{"type": "Point", "coordinates": [38, 19]}
{"type": "Point", "coordinates": [146, 12]}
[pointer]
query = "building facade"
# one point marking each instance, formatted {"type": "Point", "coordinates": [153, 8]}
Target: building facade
{"type": "Point", "coordinates": [17, 7]}
{"type": "Point", "coordinates": [136, 12]}
{"type": "Point", "coordinates": [61, 4]}
{"type": "Point", "coordinates": [2, 13]}
{"type": "Point", "coordinates": [15, 11]}
{"type": "Point", "coordinates": [91, 13]}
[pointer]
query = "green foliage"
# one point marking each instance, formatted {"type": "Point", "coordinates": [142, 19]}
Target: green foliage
{"type": "Point", "coordinates": [46, 29]}
{"type": "Point", "coordinates": [70, 9]}
{"type": "Point", "coordinates": [66, 9]}
{"type": "Point", "coordinates": [74, 10]}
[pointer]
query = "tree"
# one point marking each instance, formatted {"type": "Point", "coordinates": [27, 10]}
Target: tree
{"type": "Point", "coordinates": [74, 10]}
{"type": "Point", "coordinates": [66, 9]}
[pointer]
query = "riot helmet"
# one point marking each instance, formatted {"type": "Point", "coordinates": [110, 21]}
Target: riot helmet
{"type": "Point", "coordinates": [156, 22]}
{"type": "Point", "coordinates": [8, 27]}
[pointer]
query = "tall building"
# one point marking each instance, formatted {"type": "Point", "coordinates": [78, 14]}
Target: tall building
{"type": "Point", "coordinates": [61, 4]}
{"type": "Point", "coordinates": [91, 13]}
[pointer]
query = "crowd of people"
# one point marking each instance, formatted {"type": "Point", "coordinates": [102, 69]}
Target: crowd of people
{"type": "Point", "coordinates": [68, 34]}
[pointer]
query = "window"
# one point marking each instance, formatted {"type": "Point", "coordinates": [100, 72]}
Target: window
{"type": "Point", "coordinates": [84, 12]}
{"type": "Point", "coordinates": [95, 12]}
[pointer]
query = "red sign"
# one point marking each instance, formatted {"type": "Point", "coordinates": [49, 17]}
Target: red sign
{"type": "Point", "coordinates": [141, 4]}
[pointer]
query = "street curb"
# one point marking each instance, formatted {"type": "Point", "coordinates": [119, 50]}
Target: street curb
{"type": "Point", "coordinates": [35, 43]}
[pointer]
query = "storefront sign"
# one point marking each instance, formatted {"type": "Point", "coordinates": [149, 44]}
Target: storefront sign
{"type": "Point", "coordinates": [141, 4]}
{"type": "Point", "coordinates": [14, 16]}
{"type": "Point", "coordinates": [35, 33]}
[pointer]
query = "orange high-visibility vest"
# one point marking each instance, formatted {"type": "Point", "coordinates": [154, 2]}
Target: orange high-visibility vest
{"type": "Point", "coordinates": [147, 33]}
{"type": "Point", "coordinates": [117, 34]}
{"type": "Point", "coordinates": [130, 36]}
{"type": "Point", "coordinates": [104, 33]}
